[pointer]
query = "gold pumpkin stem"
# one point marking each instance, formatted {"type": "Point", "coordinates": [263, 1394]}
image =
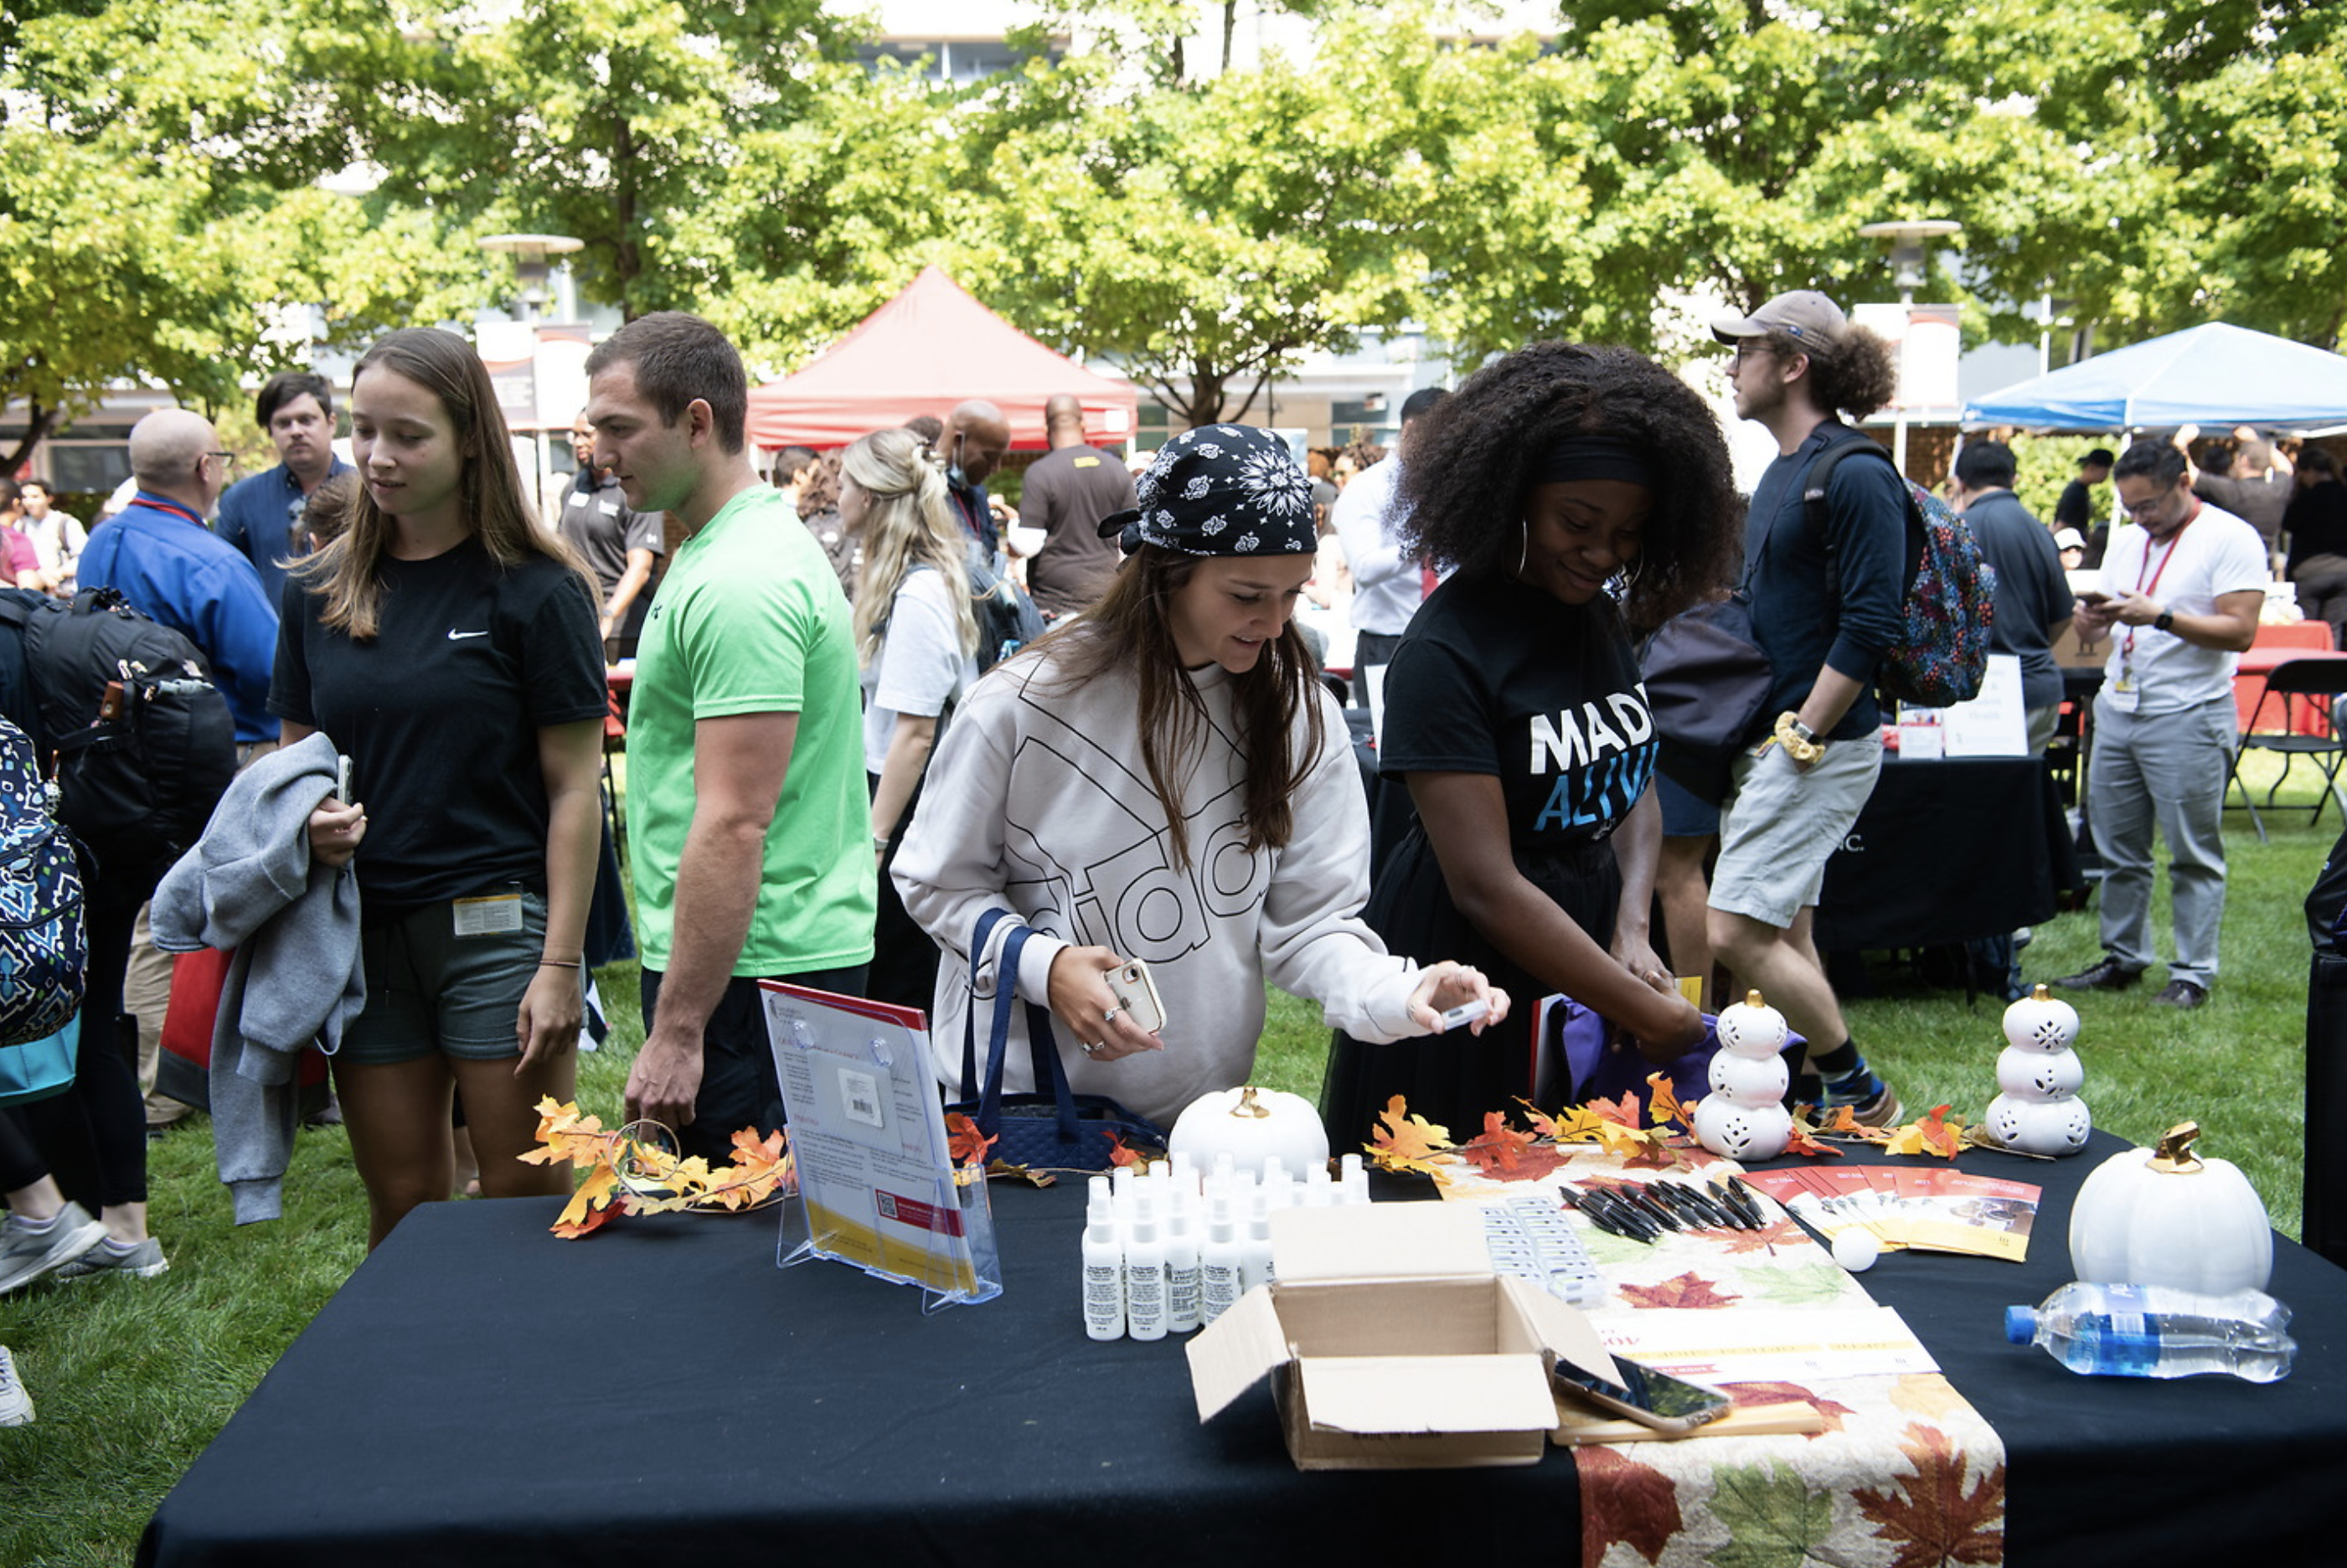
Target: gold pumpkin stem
{"type": "Point", "coordinates": [1248, 1105]}
{"type": "Point", "coordinates": [2174, 1155]}
{"type": "Point", "coordinates": [2040, 994]}
{"type": "Point", "coordinates": [1752, 998]}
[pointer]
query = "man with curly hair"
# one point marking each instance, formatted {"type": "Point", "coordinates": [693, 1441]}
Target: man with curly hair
{"type": "Point", "coordinates": [1825, 584]}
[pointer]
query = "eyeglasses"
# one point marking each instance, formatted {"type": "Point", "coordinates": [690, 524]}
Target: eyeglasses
{"type": "Point", "coordinates": [225, 459]}
{"type": "Point", "coordinates": [2147, 505]}
{"type": "Point", "coordinates": [1749, 348]}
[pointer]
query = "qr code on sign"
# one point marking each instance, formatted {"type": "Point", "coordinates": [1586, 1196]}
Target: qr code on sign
{"type": "Point", "coordinates": [888, 1204]}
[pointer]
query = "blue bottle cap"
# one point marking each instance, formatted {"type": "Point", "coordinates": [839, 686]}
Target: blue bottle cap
{"type": "Point", "coordinates": [2021, 1324]}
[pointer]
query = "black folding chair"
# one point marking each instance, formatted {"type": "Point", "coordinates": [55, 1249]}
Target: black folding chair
{"type": "Point", "coordinates": [2309, 690]}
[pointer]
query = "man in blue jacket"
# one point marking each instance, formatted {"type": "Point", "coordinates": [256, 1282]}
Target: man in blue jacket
{"type": "Point", "coordinates": [1825, 607]}
{"type": "Point", "coordinates": [260, 516]}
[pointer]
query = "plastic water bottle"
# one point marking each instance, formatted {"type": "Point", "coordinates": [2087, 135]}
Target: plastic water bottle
{"type": "Point", "coordinates": [2152, 1331]}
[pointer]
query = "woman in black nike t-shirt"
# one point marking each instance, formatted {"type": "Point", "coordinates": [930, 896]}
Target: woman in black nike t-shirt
{"type": "Point", "coordinates": [1579, 498]}
{"type": "Point", "coordinates": [448, 645]}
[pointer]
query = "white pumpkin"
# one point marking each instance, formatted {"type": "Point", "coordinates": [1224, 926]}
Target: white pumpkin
{"type": "Point", "coordinates": [2165, 1216]}
{"type": "Point", "coordinates": [1752, 1028]}
{"type": "Point", "coordinates": [2041, 1022]}
{"type": "Point", "coordinates": [1753, 1080]}
{"type": "Point", "coordinates": [1254, 1127]}
{"type": "Point", "coordinates": [2035, 1074]}
{"type": "Point", "coordinates": [1742, 1131]}
{"type": "Point", "coordinates": [2035, 1126]}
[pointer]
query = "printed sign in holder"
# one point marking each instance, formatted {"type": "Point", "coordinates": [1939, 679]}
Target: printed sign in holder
{"type": "Point", "coordinates": [878, 1187]}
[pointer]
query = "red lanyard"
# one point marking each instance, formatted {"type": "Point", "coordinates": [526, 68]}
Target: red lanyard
{"type": "Point", "coordinates": [157, 503]}
{"type": "Point", "coordinates": [2174, 539]}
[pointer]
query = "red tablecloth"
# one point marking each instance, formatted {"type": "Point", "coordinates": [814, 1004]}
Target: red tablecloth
{"type": "Point", "coordinates": [2277, 645]}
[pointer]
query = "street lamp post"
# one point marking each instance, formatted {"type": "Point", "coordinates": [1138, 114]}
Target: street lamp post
{"type": "Point", "coordinates": [1906, 240]}
{"type": "Point", "coordinates": [531, 266]}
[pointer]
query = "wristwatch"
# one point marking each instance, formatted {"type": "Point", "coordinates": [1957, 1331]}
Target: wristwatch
{"type": "Point", "coordinates": [2164, 621]}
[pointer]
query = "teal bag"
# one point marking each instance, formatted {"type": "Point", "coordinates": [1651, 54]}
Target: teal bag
{"type": "Point", "coordinates": [40, 1068]}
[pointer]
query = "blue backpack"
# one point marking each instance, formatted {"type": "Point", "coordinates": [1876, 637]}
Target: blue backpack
{"type": "Point", "coordinates": [43, 958]}
{"type": "Point", "coordinates": [1941, 653]}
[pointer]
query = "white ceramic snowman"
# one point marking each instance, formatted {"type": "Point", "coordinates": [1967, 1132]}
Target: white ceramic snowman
{"type": "Point", "coordinates": [1744, 1116]}
{"type": "Point", "coordinates": [2039, 1110]}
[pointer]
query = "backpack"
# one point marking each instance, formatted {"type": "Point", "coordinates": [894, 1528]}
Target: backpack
{"type": "Point", "coordinates": [143, 740]}
{"type": "Point", "coordinates": [44, 956]}
{"type": "Point", "coordinates": [1007, 618]}
{"type": "Point", "coordinates": [1941, 654]}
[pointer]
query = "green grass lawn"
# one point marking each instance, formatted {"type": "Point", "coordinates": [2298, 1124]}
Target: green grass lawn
{"type": "Point", "coordinates": [133, 1377]}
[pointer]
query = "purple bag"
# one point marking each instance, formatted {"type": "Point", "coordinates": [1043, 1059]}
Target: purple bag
{"type": "Point", "coordinates": [1581, 1049]}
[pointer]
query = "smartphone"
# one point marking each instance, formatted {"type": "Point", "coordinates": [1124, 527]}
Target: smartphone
{"type": "Point", "coordinates": [1136, 995]}
{"type": "Point", "coordinates": [2092, 596]}
{"type": "Point", "coordinates": [1649, 1398]}
{"type": "Point", "coordinates": [343, 779]}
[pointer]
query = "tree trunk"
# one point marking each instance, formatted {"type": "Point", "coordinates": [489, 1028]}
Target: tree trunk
{"type": "Point", "coordinates": [1230, 26]}
{"type": "Point", "coordinates": [38, 423]}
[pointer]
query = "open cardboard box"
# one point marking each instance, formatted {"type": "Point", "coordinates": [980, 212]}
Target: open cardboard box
{"type": "Point", "coordinates": [1391, 1344]}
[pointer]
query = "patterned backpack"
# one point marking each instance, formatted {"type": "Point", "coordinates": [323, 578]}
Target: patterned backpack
{"type": "Point", "coordinates": [43, 957]}
{"type": "Point", "coordinates": [1940, 655]}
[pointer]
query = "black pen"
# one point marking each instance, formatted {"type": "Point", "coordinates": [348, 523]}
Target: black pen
{"type": "Point", "coordinates": [1719, 1214]}
{"type": "Point", "coordinates": [1600, 1217]}
{"type": "Point", "coordinates": [1626, 1219]}
{"type": "Point", "coordinates": [1667, 1218]}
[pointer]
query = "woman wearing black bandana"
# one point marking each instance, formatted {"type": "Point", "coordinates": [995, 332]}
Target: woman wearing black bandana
{"type": "Point", "coordinates": [1165, 778]}
{"type": "Point", "coordinates": [1579, 498]}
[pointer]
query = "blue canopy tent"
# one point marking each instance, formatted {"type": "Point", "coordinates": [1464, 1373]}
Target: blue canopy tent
{"type": "Point", "coordinates": [2212, 374]}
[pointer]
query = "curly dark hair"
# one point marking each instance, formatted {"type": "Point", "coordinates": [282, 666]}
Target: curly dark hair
{"type": "Point", "coordinates": [1472, 457]}
{"type": "Point", "coordinates": [1857, 376]}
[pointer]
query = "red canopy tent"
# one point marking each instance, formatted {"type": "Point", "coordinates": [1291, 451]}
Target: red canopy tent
{"type": "Point", "coordinates": [928, 349]}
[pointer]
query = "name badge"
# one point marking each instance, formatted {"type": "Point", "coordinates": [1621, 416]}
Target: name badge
{"type": "Point", "coordinates": [2122, 693]}
{"type": "Point", "coordinates": [489, 917]}
{"type": "Point", "coordinates": [608, 508]}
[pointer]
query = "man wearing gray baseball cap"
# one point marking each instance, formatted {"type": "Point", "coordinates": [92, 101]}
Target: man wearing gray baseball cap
{"type": "Point", "coordinates": [1825, 585]}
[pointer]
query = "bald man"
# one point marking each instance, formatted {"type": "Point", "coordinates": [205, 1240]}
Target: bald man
{"type": "Point", "coordinates": [1067, 493]}
{"type": "Point", "coordinates": [161, 555]}
{"type": "Point", "coordinates": [974, 437]}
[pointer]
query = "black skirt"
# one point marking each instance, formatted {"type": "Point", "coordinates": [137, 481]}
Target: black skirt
{"type": "Point", "coordinates": [1451, 1080]}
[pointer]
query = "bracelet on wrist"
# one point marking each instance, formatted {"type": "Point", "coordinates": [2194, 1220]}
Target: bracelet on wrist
{"type": "Point", "coordinates": [559, 964]}
{"type": "Point", "coordinates": [1800, 742]}
{"type": "Point", "coordinates": [880, 843]}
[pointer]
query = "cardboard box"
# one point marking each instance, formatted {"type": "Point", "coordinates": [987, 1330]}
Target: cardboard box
{"type": "Point", "coordinates": [1391, 1345]}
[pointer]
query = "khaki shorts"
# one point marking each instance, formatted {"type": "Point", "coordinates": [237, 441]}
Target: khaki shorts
{"type": "Point", "coordinates": [1778, 827]}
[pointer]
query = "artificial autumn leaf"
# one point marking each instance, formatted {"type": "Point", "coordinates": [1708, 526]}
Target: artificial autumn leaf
{"type": "Point", "coordinates": [1507, 1155]}
{"type": "Point", "coordinates": [1803, 1145]}
{"type": "Point", "coordinates": [1689, 1290]}
{"type": "Point", "coordinates": [596, 1220]}
{"type": "Point", "coordinates": [564, 1135]}
{"type": "Point", "coordinates": [1625, 1501]}
{"type": "Point", "coordinates": [1650, 1153]}
{"type": "Point", "coordinates": [964, 1142]}
{"type": "Point", "coordinates": [1406, 1143]}
{"type": "Point", "coordinates": [1664, 1105]}
{"type": "Point", "coordinates": [1027, 1173]}
{"type": "Point", "coordinates": [1118, 1154]}
{"type": "Point", "coordinates": [1756, 1395]}
{"type": "Point", "coordinates": [593, 1197]}
{"type": "Point", "coordinates": [1621, 1111]}
{"type": "Point", "coordinates": [1773, 1518]}
{"type": "Point", "coordinates": [1579, 1124]}
{"type": "Point", "coordinates": [1547, 1126]}
{"type": "Point", "coordinates": [1933, 1516]}
{"type": "Point", "coordinates": [1934, 1134]}
{"type": "Point", "coordinates": [1844, 1123]}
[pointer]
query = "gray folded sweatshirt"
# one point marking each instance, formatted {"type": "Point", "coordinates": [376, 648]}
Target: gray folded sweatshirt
{"type": "Point", "coordinates": [296, 980]}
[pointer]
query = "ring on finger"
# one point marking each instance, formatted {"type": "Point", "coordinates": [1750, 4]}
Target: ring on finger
{"type": "Point", "coordinates": [1091, 1048]}
{"type": "Point", "coordinates": [1110, 1016]}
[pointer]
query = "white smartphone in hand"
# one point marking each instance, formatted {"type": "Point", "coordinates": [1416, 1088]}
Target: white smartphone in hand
{"type": "Point", "coordinates": [343, 779]}
{"type": "Point", "coordinates": [1136, 995]}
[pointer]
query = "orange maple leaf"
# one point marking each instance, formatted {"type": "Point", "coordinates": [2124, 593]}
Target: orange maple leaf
{"type": "Point", "coordinates": [1934, 1134]}
{"type": "Point", "coordinates": [965, 1143]}
{"type": "Point", "coordinates": [1406, 1143]}
{"type": "Point", "coordinates": [1809, 1147]}
{"type": "Point", "coordinates": [1933, 1517]}
{"type": "Point", "coordinates": [1118, 1154]}
{"type": "Point", "coordinates": [1544, 1124]}
{"type": "Point", "coordinates": [1664, 1105]}
{"type": "Point", "coordinates": [1759, 1394]}
{"type": "Point", "coordinates": [1650, 1154]}
{"type": "Point", "coordinates": [1621, 1111]}
{"type": "Point", "coordinates": [596, 1220]}
{"type": "Point", "coordinates": [1844, 1123]}
{"type": "Point", "coordinates": [589, 1206]}
{"type": "Point", "coordinates": [1505, 1154]}
{"type": "Point", "coordinates": [1623, 1499]}
{"type": "Point", "coordinates": [1689, 1290]}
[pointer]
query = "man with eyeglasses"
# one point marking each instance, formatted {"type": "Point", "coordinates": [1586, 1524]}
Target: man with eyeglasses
{"type": "Point", "coordinates": [2181, 591]}
{"type": "Point", "coordinates": [973, 443]}
{"type": "Point", "coordinates": [1825, 585]}
{"type": "Point", "coordinates": [261, 515]}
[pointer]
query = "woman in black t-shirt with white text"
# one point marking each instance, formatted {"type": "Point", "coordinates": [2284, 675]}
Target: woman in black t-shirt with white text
{"type": "Point", "coordinates": [1578, 495]}
{"type": "Point", "coordinates": [448, 646]}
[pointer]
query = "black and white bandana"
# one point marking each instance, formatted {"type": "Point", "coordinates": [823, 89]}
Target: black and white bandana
{"type": "Point", "coordinates": [1220, 490]}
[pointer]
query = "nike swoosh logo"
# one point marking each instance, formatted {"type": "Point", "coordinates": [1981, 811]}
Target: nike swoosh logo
{"type": "Point", "coordinates": [456, 636]}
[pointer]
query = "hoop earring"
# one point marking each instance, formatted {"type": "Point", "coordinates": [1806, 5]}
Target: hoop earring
{"type": "Point", "coordinates": [1524, 554]}
{"type": "Point", "coordinates": [1630, 578]}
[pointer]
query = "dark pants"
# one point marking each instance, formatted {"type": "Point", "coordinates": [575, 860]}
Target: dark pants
{"type": "Point", "coordinates": [738, 1086]}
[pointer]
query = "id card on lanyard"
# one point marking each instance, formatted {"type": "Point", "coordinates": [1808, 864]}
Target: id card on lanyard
{"type": "Point", "coordinates": [2124, 693]}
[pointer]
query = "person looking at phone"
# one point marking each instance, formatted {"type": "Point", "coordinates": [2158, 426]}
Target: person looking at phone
{"type": "Point", "coordinates": [2183, 591]}
{"type": "Point", "coordinates": [447, 645]}
{"type": "Point", "coordinates": [1579, 495]}
{"type": "Point", "coordinates": [1156, 780]}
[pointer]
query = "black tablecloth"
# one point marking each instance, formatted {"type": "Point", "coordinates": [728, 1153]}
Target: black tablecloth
{"type": "Point", "coordinates": [1946, 852]}
{"type": "Point", "coordinates": [480, 1392]}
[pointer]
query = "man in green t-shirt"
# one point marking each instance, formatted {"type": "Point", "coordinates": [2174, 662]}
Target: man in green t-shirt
{"type": "Point", "coordinates": [747, 815]}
